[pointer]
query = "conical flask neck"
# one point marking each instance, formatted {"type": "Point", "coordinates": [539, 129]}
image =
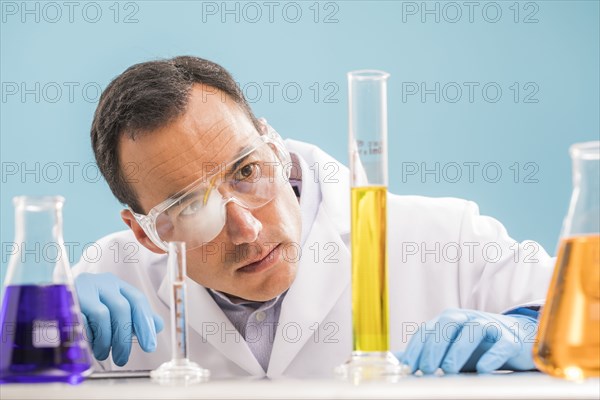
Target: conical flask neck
{"type": "Point", "coordinates": [583, 217]}
{"type": "Point", "coordinates": [38, 255]}
{"type": "Point", "coordinates": [37, 221]}
{"type": "Point", "coordinates": [586, 175]}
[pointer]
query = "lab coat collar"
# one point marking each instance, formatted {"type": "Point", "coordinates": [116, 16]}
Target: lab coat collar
{"type": "Point", "coordinates": [310, 197]}
{"type": "Point", "coordinates": [316, 289]}
{"type": "Point", "coordinates": [333, 182]}
{"type": "Point", "coordinates": [324, 268]}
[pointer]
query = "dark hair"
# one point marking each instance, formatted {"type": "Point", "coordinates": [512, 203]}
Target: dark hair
{"type": "Point", "coordinates": [146, 97]}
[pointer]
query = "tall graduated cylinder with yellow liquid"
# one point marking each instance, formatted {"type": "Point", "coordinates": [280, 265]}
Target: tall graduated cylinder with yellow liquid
{"type": "Point", "coordinates": [568, 342]}
{"type": "Point", "coordinates": [370, 358]}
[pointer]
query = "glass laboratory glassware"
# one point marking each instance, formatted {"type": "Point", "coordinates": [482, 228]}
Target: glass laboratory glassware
{"type": "Point", "coordinates": [41, 326]}
{"type": "Point", "coordinates": [568, 341]}
{"type": "Point", "coordinates": [180, 370]}
{"type": "Point", "coordinates": [370, 358]}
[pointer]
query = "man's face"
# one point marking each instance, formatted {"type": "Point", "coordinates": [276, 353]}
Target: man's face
{"type": "Point", "coordinates": [163, 162]}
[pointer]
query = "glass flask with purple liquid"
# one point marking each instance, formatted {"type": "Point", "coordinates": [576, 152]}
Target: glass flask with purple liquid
{"type": "Point", "coordinates": [41, 330]}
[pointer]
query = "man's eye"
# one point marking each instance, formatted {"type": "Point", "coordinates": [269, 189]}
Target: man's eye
{"type": "Point", "coordinates": [191, 209]}
{"type": "Point", "coordinates": [248, 172]}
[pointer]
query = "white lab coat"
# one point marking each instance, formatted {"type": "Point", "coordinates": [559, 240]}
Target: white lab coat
{"type": "Point", "coordinates": [314, 333]}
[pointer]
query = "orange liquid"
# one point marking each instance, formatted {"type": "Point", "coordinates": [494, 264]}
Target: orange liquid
{"type": "Point", "coordinates": [568, 342]}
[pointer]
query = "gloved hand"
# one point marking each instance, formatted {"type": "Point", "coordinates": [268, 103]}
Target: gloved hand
{"type": "Point", "coordinates": [469, 340]}
{"type": "Point", "coordinates": [113, 311]}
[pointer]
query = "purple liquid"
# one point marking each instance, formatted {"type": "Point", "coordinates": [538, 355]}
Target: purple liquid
{"type": "Point", "coordinates": [41, 336]}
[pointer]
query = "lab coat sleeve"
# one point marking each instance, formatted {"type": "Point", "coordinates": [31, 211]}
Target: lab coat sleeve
{"type": "Point", "coordinates": [496, 273]}
{"type": "Point", "coordinates": [120, 254]}
{"type": "Point", "coordinates": [94, 260]}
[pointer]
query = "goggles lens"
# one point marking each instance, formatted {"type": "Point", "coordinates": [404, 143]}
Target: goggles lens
{"type": "Point", "coordinates": [198, 215]}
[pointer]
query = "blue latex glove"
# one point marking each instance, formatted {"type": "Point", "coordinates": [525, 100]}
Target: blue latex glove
{"type": "Point", "coordinates": [468, 340]}
{"type": "Point", "coordinates": [113, 311]}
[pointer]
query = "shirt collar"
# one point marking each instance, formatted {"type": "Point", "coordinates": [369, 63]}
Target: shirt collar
{"type": "Point", "coordinates": [223, 299]}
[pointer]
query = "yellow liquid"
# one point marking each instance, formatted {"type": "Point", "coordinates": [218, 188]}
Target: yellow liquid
{"type": "Point", "coordinates": [370, 316]}
{"type": "Point", "coordinates": [568, 342]}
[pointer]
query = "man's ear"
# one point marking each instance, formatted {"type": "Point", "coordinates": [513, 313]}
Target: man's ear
{"type": "Point", "coordinates": [139, 233]}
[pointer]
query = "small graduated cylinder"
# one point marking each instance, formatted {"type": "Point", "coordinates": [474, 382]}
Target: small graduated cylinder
{"type": "Point", "coordinates": [179, 323]}
{"type": "Point", "coordinates": [180, 370]}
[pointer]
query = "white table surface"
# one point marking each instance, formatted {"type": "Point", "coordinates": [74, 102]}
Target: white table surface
{"type": "Point", "coordinates": [525, 385]}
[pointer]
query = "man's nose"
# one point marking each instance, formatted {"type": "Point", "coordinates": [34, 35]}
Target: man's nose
{"type": "Point", "coordinates": [242, 226]}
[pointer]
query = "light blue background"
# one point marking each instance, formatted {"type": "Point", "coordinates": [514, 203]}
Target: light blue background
{"type": "Point", "coordinates": [559, 54]}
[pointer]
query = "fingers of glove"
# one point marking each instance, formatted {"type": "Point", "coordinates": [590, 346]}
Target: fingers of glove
{"type": "Point", "coordinates": [527, 332]}
{"type": "Point", "coordinates": [504, 349]}
{"type": "Point", "coordinates": [506, 344]}
{"type": "Point", "coordinates": [87, 330]}
{"type": "Point", "coordinates": [87, 293]}
{"type": "Point", "coordinates": [99, 323]}
{"type": "Point", "coordinates": [414, 350]}
{"type": "Point", "coordinates": [159, 324]}
{"type": "Point", "coordinates": [432, 353]}
{"type": "Point", "coordinates": [412, 353]}
{"type": "Point", "coordinates": [121, 326]}
{"type": "Point", "coordinates": [466, 342]}
{"type": "Point", "coordinates": [522, 361]}
{"type": "Point", "coordinates": [142, 317]}
{"type": "Point", "coordinates": [440, 339]}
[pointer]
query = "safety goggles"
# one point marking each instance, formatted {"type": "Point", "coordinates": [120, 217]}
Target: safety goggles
{"type": "Point", "coordinates": [197, 214]}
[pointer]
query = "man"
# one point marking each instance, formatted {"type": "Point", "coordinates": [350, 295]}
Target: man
{"type": "Point", "coordinates": [268, 245]}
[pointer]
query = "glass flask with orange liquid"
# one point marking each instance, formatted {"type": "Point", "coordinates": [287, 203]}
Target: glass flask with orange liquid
{"type": "Point", "coordinates": [568, 341]}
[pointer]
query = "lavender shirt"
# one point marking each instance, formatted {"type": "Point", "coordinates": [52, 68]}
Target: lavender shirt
{"type": "Point", "coordinates": [255, 321]}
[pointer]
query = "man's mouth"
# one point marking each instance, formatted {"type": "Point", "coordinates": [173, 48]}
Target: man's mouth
{"type": "Point", "coordinates": [263, 263]}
